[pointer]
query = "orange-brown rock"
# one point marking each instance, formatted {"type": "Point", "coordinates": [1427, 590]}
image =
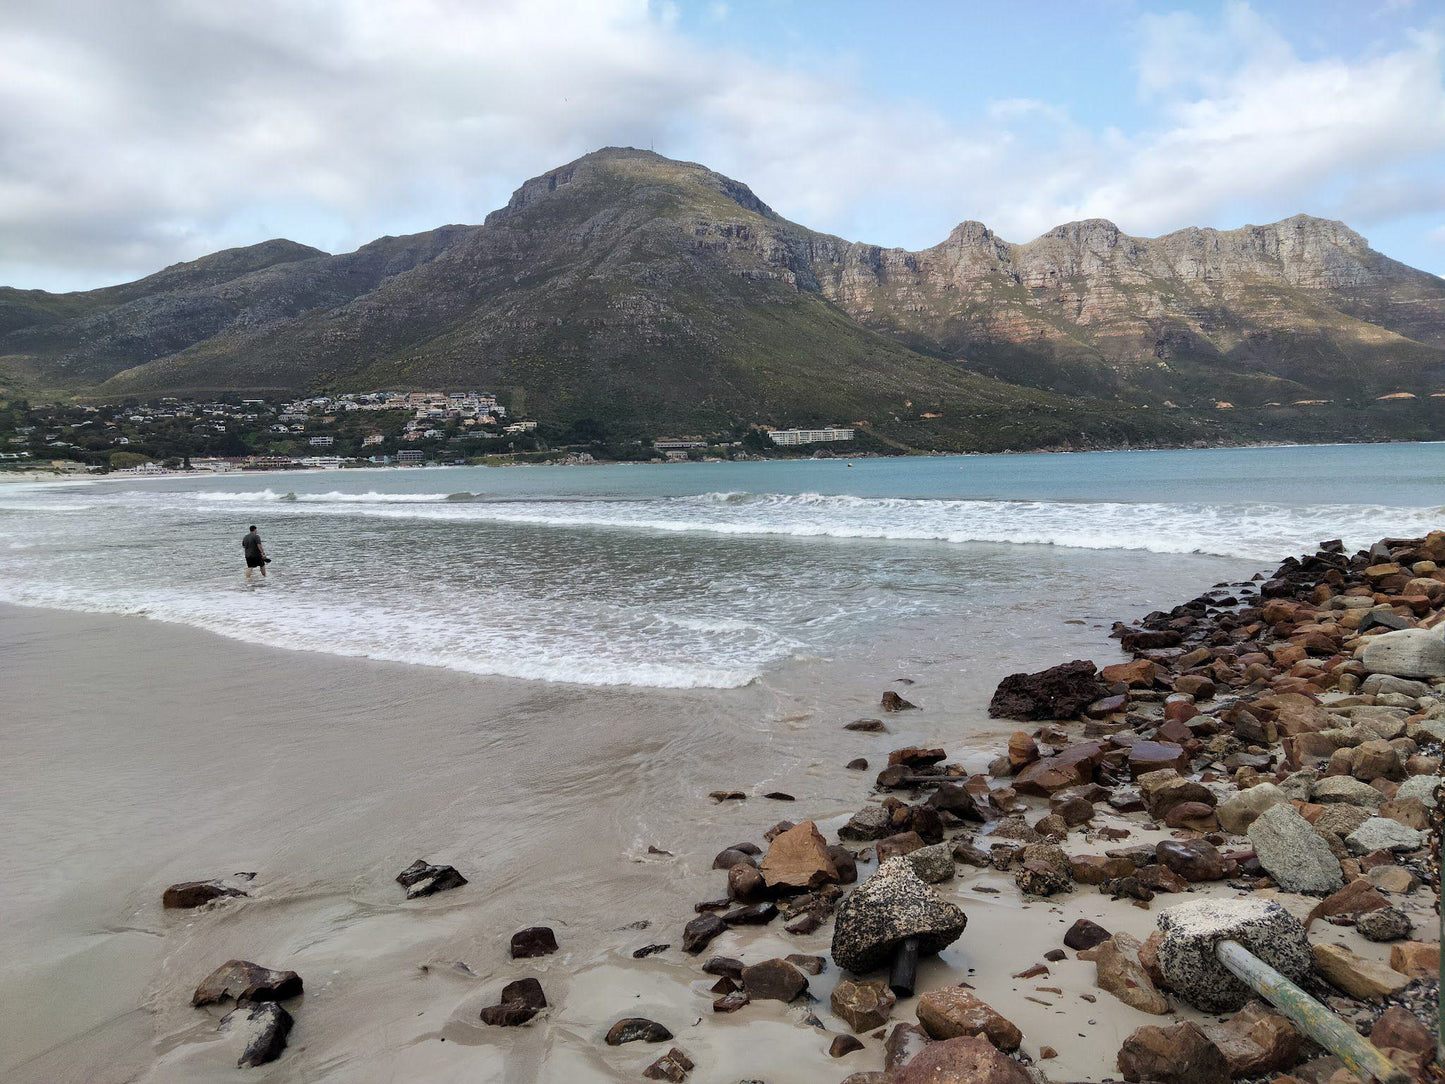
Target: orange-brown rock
{"type": "Point", "coordinates": [1256, 1041]}
{"type": "Point", "coordinates": [1416, 959]}
{"type": "Point", "coordinates": [965, 1060]}
{"type": "Point", "coordinates": [1138, 674]}
{"type": "Point", "coordinates": [798, 858]}
{"type": "Point", "coordinates": [1072, 766]}
{"type": "Point", "coordinates": [1022, 750]}
{"type": "Point", "coordinates": [1181, 1054]}
{"type": "Point", "coordinates": [953, 1011]}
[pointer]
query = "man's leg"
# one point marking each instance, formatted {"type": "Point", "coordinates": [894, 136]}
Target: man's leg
{"type": "Point", "coordinates": [248, 573]}
{"type": "Point", "coordinates": [262, 567]}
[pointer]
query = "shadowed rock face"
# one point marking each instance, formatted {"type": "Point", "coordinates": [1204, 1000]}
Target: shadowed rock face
{"type": "Point", "coordinates": [662, 295]}
{"type": "Point", "coordinates": [890, 906]}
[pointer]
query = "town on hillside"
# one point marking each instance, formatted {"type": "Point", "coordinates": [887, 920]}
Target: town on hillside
{"type": "Point", "coordinates": [370, 429]}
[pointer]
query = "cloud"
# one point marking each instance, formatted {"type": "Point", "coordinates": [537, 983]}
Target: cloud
{"type": "Point", "coordinates": [135, 135]}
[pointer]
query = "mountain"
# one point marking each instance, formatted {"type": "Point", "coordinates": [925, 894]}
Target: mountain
{"type": "Point", "coordinates": [654, 295]}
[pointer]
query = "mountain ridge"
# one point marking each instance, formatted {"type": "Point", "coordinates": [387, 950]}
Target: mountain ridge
{"type": "Point", "coordinates": [662, 294]}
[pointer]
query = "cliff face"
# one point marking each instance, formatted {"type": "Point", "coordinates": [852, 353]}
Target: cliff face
{"type": "Point", "coordinates": [631, 286]}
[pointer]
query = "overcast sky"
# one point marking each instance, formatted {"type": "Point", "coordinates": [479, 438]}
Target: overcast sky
{"type": "Point", "coordinates": [137, 134]}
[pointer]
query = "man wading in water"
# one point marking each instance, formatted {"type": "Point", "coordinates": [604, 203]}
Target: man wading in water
{"type": "Point", "coordinates": [255, 553]}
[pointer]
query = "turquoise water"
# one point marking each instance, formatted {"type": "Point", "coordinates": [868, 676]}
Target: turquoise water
{"type": "Point", "coordinates": [697, 574]}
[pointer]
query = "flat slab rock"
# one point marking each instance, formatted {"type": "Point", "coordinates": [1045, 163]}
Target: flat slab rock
{"type": "Point", "coordinates": [242, 980]}
{"type": "Point", "coordinates": [421, 878]}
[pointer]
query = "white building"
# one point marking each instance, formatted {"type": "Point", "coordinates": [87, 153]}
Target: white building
{"type": "Point", "coordinates": [375, 438]}
{"type": "Point", "coordinates": [810, 436]}
{"type": "Point", "coordinates": [322, 442]}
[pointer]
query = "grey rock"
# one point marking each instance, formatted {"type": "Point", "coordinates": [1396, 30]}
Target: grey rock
{"type": "Point", "coordinates": [1420, 786]}
{"type": "Point", "coordinates": [1237, 812]}
{"type": "Point", "coordinates": [934, 864]}
{"type": "Point", "coordinates": [892, 905]}
{"type": "Point", "coordinates": [1191, 930]}
{"type": "Point", "coordinates": [1384, 834]}
{"type": "Point", "coordinates": [870, 822]}
{"type": "Point", "coordinates": [1342, 788]}
{"type": "Point", "coordinates": [1388, 683]}
{"type": "Point", "coordinates": [1299, 786]}
{"type": "Point", "coordinates": [1293, 853]}
{"type": "Point", "coordinates": [1386, 924]}
{"type": "Point", "coordinates": [265, 1026]}
{"type": "Point", "coordinates": [1408, 653]}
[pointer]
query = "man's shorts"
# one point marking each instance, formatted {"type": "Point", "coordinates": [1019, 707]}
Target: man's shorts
{"type": "Point", "coordinates": [255, 562]}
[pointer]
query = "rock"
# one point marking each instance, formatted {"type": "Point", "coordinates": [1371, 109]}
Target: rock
{"type": "Point", "coordinates": [1119, 972]}
{"type": "Point", "coordinates": [1396, 880]}
{"type": "Point", "coordinates": [265, 1026]}
{"type": "Point", "coordinates": [1383, 834]}
{"type": "Point", "coordinates": [1293, 853]}
{"type": "Point", "coordinates": [1356, 975]}
{"type": "Point", "coordinates": [1356, 898]}
{"type": "Point", "coordinates": [1238, 811]}
{"type": "Point", "coordinates": [1095, 869]}
{"type": "Point", "coordinates": [1074, 811]}
{"type": "Point", "coordinates": [1256, 1041]}
{"type": "Point", "coordinates": [1376, 759]}
{"type": "Point", "coordinates": [730, 857]}
{"type": "Point", "coordinates": [867, 726]}
{"type": "Point", "coordinates": [1084, 934]}
{"type": "Point", "coordinates": [892, 702]}
{"type": "Point", "coordinates": [1339, 819]}
{"type": "Point", "coordinates": [1411, 812]}
{"type": "Point", "coordinates": [1421, 787]}
{"type": "Point", "coordinates": [1138, 674]}
{"type": "Point", "coordinates": [1060, 692]}
{"type": "Point", "coordinates": [857, 764]}
{"type": "Point", "coordinates": [1192, 859]}
{"type": "Point", "coordinates": [423, 879]}
{"type": "Point", "coordinates": [245, 981]}
{"type": "Point", "coordinates": [773, 980]}
{"type": "Point", "coordinates": [1181, 1054]}
{"type": "Point", "coordinates": [698, 933]}
{"type": "Point", "coordinates": [904, 1043]}
{"type": "Point", "coordinates": [1152, 756]}
{"type": "Point", "coordinates": [746, 884]}
{"type": "Point", "coordinates": [632, 1029]}
{"type": "Point", "coordinates": [1164, 789]}
{"type": "Point", "coordinates": [934, 864]}
{"type": "Point", "coordinates": [1022, 750]}
{"type": "Point", "coordinates": [1386, 924]}
{"type": "Point", "coordinates": [730, 1002]}
{"type": "Point", "coordinates": [1409, 653]}
{"type": "Point", "coordinates": [870, 822]}
{"type": "Point", "coordinates": [1416, 959]}
{"type": "Point", "coordinates": [863, 1003]}
{"type": "Point", "coordinates": [917, 757]}
{"type": "Point", "coordinates": [1195, 816]}
{"type": "Point", "coordinates": [1191, 930]}
{"type": "Point", "coordinates": [199, 893]}
{"type": "Point", "coordinates": [904, 843]}
{"type": "Point", "coordinates": [953, 1011]}
{"type": "Point", "coordinates": [1400, 1029]}
{"type": "Point", "coordinates": [673, 1066]}
{"type": "Point", "coordinates": [965, 1060]}
{"type": "Point", "coordinates": [798, 858]}
{"type": "Point", "coordinates": [1071, 767]}
{"type": "Point", "coordinates": [1386, 683]}
{"type": "Point", "coordinates": [752, 914]}
{"type": "Point", "coordinates": [533, 941]}
{"type": "Point", "coordinates": [845, 863]}
{"type": "Point", "coordinates": [521, 1000]}
{"type": "Point", "coordinates": [892, 905]}
{"type": "Point", "coordinates": [843, 1045]}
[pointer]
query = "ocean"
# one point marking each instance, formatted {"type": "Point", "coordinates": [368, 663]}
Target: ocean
{"type": "Point", "coordinates": [696, 575]}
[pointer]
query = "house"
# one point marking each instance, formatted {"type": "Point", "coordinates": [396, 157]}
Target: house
{"type": "Point", "coordinates": [322, 442]}
{"type": "Point", "coordinates": [810, 436]}
{"type": "Point", "coordinates": [413, 456]}
{"type": "Point", "coordinates": [375, 438]}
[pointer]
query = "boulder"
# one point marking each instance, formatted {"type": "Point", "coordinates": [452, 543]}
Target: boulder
{"type": "Point", "coordinates": [863, 1003]}
{"type": "Point", "coordinates": [421, 878]}
{"type": "Point", "coordinates": [1191, 931]}
{"type": "Point", "coordinates": [1383, 834]}
{"type": "Point", "coordinates": [636, 1029]}
{"type": "Point", "coordinates": [264, 1027]}
{"type": "Point", "coordinates": [1181, 1054]}
{"type": "Point", "coordinates": [773, 980]}
{"type": "Point", "coordinates": [968, 1059]}
{"type": "Point", "coordinates": [1293, 853]}
{"type": "Point", "coordinates": [891, 906]}
{"type": "Point", "coordinates": [189, 894]}
{"type": "Point", "coordinates": [521, 1000]}
{"type": "Point", "coordinates": [1070, 767]}
{"type": "Point", "coordinates": [953, 1011]}
{"type": "Point", "coordinates": [1400, 1029]}
{"type": "Point", "coordinates": [1416, 959]}
{"type": "Point", "coordinates": [1085, 934]}
{"type": "Point", "coordinates": [1420, 787]}
{"type": "Point", "coordinates": [870, 822]}
{"type": "Point", "coordinates": [1192, 859]}
{"type": "Point", "coordinates": [1060, 692]}
{"type": "Point", "coordinates": [934, 864]}
{"type": "Point", "coordinates": [1138, 674]}
{"type": "Point", "coordinates": [1409, 653]}
{"type": "Point", "coordinates": [1256, 1041]}
{"type": "Point", "coordinates": [798, 859]}
{"type": "Point", "coordinates": [1396, 880]}
{"type": "Point", "coordinates": [1356, 975]}
{"type": "Point", "coordinates": [1166, 789]}
{"type": "Point", "coordinates": [1385, 924]}
{"type": "Point", "coordinates": [1237, 812]}
{"type": "Point", "coordinates": [1119, 972]}
{"type": "Point", "coordinates": [904, 843]}
{"type": "Point", "coordinates": [904, 1043]}
{"type": "Point", "coordinates": [672, 1066]}
{"type": "Point", "coordinates": [242, 980]}
{"type": "Point", "coordinates": [698, 933]}
{"type": "Point", "coordinates": [1153, 756]}
{"type": "Point", "coordinates": [892, 702]}
{"type": "Point", "coordinates": [916, 757]}
{"type": "Point", "coordinates": [1095, 869]}
{"type": "Point", "coordinates": [536, 941]}
{"type": "Point", "coordinates": [1022, 750]}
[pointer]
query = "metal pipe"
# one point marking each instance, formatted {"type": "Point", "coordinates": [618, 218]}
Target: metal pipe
{"type": "Point", "coordinates": [1312, 1018]}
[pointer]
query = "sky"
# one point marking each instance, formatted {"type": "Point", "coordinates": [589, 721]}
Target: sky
{"type": "Point", "coordinates": [137, 135]}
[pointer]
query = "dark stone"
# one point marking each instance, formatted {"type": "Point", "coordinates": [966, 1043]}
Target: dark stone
{"type": "Point", "coordinates": [867, 726]}
{"type": "Point", "coordinates": [858, 764]}
{"type": "Point", "coordinates": [1054, 955]}
{"type": "Point", "coordinates": [533, 941]}
{"type": "Point", "coordinates": [746, 884]}
{"type": "Point", "coordinates": [753, 914]}
{"type": "Point", "coordinates": [892, 702]}
{"type": "Point", "coordinates": [268, 1025]}
{"type": "Point", "coordinates": [1060, 692]}
{"type": "Point", "coordinates": [698, 933]}
{"type": "Point", "coordinates": [779, 796]}
{"type": "Point", "coordinates": [673, 1066]}
{"type": "Point", "coordinates": [632, 1029]}
{"type": "Point", "coordinates": [1084, 934]}
{"type": "Point", "coordinates": [197, 894]}
{"type": "Point", "coordinates": [842, 1045]}
{"type": "Point", "coordinates": [813, 965]}
{"type": "Point", "coordinates": [957, 799]}
{"type": "Point", "coordinates": [423, 879]}
{"type": "Point", "coordinates": [727, 859]}
{"type": "Point", "coordinates": [648, 950]}
{"type": "Point", "coordinates": [245, 981]}
{"type": "Point", "coordinates": [775, 980]}
{"type": "Point", "coordinates": [1192, 859]}
{"type": "Point", "coordinates": [725, 966]}
{"type": "Point", "coordinates": [521, 1000]}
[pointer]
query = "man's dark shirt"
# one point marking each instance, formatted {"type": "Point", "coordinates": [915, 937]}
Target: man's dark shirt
{"type": "Point", "coordinates": [251, 544]}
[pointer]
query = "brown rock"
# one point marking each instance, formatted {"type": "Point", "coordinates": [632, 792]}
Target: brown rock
{"type": "Point", "coordinates": [1411, 812]}
{"type": "Point", "coordinates": [1153, 756]}
{"type": "Point", "coordinates": [1022, 750]}
{"type": "Point", "coordinates": [1400, 1029]}
{"type": "Point", "coordinates": [1256, 1041]}
{"type": "Point", "coordinates": [1071, 767]}
{"type": "Point", "coordinates": [698, 933]}
{"type": "Point", "coordinates": [1195, 685]}
{"type": "Point", "coordinates": [731, 1002]}
{"type": "Point", "coordinates": [893, 702]}
{"type": "Point", "coordinates": [775, 980]}
{"type": "Point", "coordinates": [843, 1045]}
{"type": "Point", "coordinates": [1356, 975]}
{"type": "Point", "coordinates": [863, 1003]}
{"type": "Point", "coordinates": [1084, 934]}
{"type": "Point", "coordinates": [533, 941]}
{"type": "Point", "coordinates": [904, 1043]}
{"type": "Point", "coordinates": [1376, 760]}
{"type": "Point", "coordinates": [189, 894]}
{"type": "Point", "coordinates": [1193, 859]}
{"type": "Point", "coordinates": [1195, 816]}
{"type": "Point", "coordinates": [521, 1000]}
{"type": "Point", "coordinates": [1355, 898]}
{"type": "Point", "coordinates": [1396, 880]}
{"type": "Point", "coordinates": [634, 1029]}
{"type": "Point", "coordinates": [798, 858]}
{"type": "Point", "coordinates": [902, 843]}
{"type": "Point", "coordinates": [1119, 972]}
{"type": "Point", "coordinates": [965, 1060]}
{"type": "Point", "coordinates": [953, 1011]}
{"type": "Point", "coordinates": [245, 981]}
{"type": "Point", "coordinates": [1416, 959]}
{"type": "Point", "coordinates": [673, 1066]}
{"type": "Point", "coordinates": [1138, 674]}
{"type": "Point", "coordinates": [1095, 869]}
{"type": "Point", "coordinates": [746, 884]}
{"type": "Point", "coordinates": [916, 757]}
{"type": "Point", "coordinates": [1180, 1054]}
